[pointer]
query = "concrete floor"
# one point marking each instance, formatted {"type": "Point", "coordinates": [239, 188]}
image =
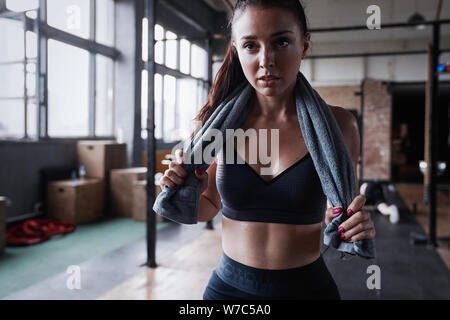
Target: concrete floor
{"type": "Point", "coordinates": [186, 256]}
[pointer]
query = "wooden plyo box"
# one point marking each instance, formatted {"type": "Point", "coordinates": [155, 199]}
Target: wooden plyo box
{"type": "Point", "coordinates": [2, 224]}
{"type": "Point", "coordinates": [99, 157]}
{"type": "Point", "coordinates": [122, 188]}
{"type": "Point", "coordinates": [140, 201]}
{"type": "Point", "coordinates": [77, 202]}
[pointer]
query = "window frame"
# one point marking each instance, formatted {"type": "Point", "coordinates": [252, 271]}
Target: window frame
{"type": "Point", "coordinates": [163, 69]}
{"type": "Point", "coordinates": [44, 32]}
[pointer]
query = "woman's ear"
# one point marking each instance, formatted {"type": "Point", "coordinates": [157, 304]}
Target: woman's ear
{"type": "Point", "coordinates": [306, 44]}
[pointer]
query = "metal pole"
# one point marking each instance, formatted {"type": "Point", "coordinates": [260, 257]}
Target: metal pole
{"type": "Point", "coordinates": [432, 145]}
{"type": "Point", "coordinates": [41, 71]}
{"type": "Point", "coordinates": [92, 71]}
{"type": "Point", "coordinates": [433, 135]}
{"type": "Point", "coordinates": [150, 7]}
{"type": "Point", "coordinates": [25, 93]}
{"type": "Point", "coordinates": [208, 44]}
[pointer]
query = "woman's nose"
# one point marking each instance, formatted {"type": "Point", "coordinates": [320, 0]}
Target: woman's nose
{"type": "Point", "coordinates": [266, 58]}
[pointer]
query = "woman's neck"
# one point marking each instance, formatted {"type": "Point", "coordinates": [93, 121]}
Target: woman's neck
{"type": "Point", "coordinates": [275, 108]}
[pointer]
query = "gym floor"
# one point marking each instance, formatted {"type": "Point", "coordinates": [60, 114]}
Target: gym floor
{"type": "Point", "coordinates": [187, 255]}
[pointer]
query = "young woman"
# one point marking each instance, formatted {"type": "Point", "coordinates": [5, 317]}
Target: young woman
{"type": "Point", "coordinates": [271, 225]}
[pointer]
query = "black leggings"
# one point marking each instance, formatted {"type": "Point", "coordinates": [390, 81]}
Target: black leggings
{"type": "Point", "coordinates": [232, 280]}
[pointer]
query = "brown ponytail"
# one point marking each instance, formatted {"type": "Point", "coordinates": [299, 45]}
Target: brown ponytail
{"type": "Point", "coordinates": [229, 76]}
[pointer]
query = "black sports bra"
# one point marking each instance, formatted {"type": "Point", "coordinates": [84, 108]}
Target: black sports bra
{"type": "Point", "coordinates": [294, 196]}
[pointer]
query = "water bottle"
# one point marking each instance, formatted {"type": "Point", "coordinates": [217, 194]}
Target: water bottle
{"type": "Point", "coordinates": [82, 172]}
{"type": "Point", "coordinates": [74, 178]}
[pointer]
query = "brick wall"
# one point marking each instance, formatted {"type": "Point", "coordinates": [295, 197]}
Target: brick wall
{"type": "Point", "coordinates": [377, 119]}
{"type": "Point", "coordinates": [341, 96]}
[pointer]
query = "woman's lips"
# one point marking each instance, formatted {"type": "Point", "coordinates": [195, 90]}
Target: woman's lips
{"type": "Point", "coordinates": [269, 82]}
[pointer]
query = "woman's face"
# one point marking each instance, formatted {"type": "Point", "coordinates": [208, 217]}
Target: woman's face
{"type": "Point", "coordinates": [269, 42]}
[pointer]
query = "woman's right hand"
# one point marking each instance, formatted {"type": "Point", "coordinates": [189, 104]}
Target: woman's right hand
{"type": "Point", "coordinates": [175, 175]}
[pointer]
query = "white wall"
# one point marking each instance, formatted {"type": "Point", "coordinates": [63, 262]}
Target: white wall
{"type": "Point", "coordinates": [351, 71]}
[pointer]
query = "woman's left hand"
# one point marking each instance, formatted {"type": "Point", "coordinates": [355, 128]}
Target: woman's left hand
{"type": "Point", "coordinates": [359, 225]}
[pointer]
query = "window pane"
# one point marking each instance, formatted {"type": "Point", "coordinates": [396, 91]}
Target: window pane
{"type": "Point", "coordinates": [11, 39]}
{"type": "Point", "coordinates": [31, 79]}
{"type": "Point", "coordinates": [31, 44]}
{"type": "Point", "coordinates": [11, 80]}
{"type": "Point", "coordinates": [202, 94]}
{"type": "Point", "coordinates": [68, 101]}
{"type": "Point", "coordinates": [104, 96]}
{"type": "Point", "coordinates": [159, 32]}
{"type": "Point", "coordinates": [12, 119]}
{"type": "Point", "coordinates": [144, 98]}
{"type": "Point", "coordinates": [144, 39]}
{"type": "Point", "coordinates": [104, 22]}
{"type": "Point", "coordinates": [22, 5]}
{"type": "Point", "coordinates": [32, 119]}
{"type": "Point", "coordinates": [199, 62]}
{"type": "Point", "coordinates": [169, 108]}
{"type": "Point", "coordinates": [158, 106]}
{"type": "Point", "coordinates": [159, 45]}
{"type": "Point", "coordinates": [159, 52]}
{"type": "Point", "coordinates": [171, 50]}
{"type": "Point", "coordinates": [69, 15]}
{"type": "Point", "coordinates": [185, 55]}
{"type": "Point", "coordinates": [186, 106]}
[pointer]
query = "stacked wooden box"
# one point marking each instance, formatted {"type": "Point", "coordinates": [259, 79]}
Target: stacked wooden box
{"type": "Point", "coordinates": [85, 200]}
{"type": "Point", "coordinates": [129, 194]}
{"type": "Point", "coordinates": [79, 201]}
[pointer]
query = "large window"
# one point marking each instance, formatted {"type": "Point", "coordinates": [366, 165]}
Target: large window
{"type": "Point", "coordinates": [27, 6]}
{"type": "Point", "coordinates": [79, 74]}
{"type": "Point", "coordinates": [69, 15]}
{"type": "Point", "coordinates": [18, 81]}
{"type": "Point", "coordinates": [68, 90]}
{"type": "Point", "coordinates": [104, 107]}
{"type": "Point", "coordinates": [179, 94]}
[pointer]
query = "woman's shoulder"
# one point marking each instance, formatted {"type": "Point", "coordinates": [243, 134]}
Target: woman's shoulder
{"type": "Point", "coordinates": [349, 128]}
{"type": "Point", "coordinates": [346, 120]}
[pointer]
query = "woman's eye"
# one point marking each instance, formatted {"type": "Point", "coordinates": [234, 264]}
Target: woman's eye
{"type": "Point", "coordinates": [247, 45]}
{"type": "Point", "coordinates": [282, 41]}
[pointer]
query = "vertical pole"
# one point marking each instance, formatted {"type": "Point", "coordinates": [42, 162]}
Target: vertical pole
{"type": "Point", "coordinates": [151, 141]}
{"type": "Point", "coordinates": [25, 61]}
{"type": "Point", "coordinates": [209, 50]}
{"type": "Point", "coordinates": [92, 67]}
{"type": "Point", "coordinates": [434, 108]}
{"type": "Point", "coordinates": [427, 139]}
{"type": "Point", "coordinates": [361, 159]}
{"type": "Point", "coordinates": [41, 71]}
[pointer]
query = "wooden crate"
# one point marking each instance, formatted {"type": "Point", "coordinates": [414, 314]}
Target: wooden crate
{"type": "Point", "coordinates": [122, 188]}
{"type": "Point", "coordinates": [77, 202]}
{"type": "Point", "coordinates": [99, 157]}
{"type": "Point", "coordinates": [140, 201]}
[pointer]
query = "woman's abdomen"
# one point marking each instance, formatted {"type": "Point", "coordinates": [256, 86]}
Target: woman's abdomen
{"type": "Point", "coordinates": [271, 245]}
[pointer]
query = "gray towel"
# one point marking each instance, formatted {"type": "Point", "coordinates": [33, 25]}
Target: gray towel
{"type": "Point", "coordinates": [323, 139]}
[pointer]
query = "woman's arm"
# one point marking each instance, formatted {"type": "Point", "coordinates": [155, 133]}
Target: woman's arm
{"type": "Point", "coordinates": [210, 202]}
{"type": "Point", "coordinates": [359, 225]}
{"type": "Point", "coordinates": [349, 127]}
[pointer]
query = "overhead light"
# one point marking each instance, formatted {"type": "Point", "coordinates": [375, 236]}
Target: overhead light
{"type": "Point", "coordinates": [417, 20]}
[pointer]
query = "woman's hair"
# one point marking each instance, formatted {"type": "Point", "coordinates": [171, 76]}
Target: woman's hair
{"type": "Point", "coordinates": [230, 74]}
